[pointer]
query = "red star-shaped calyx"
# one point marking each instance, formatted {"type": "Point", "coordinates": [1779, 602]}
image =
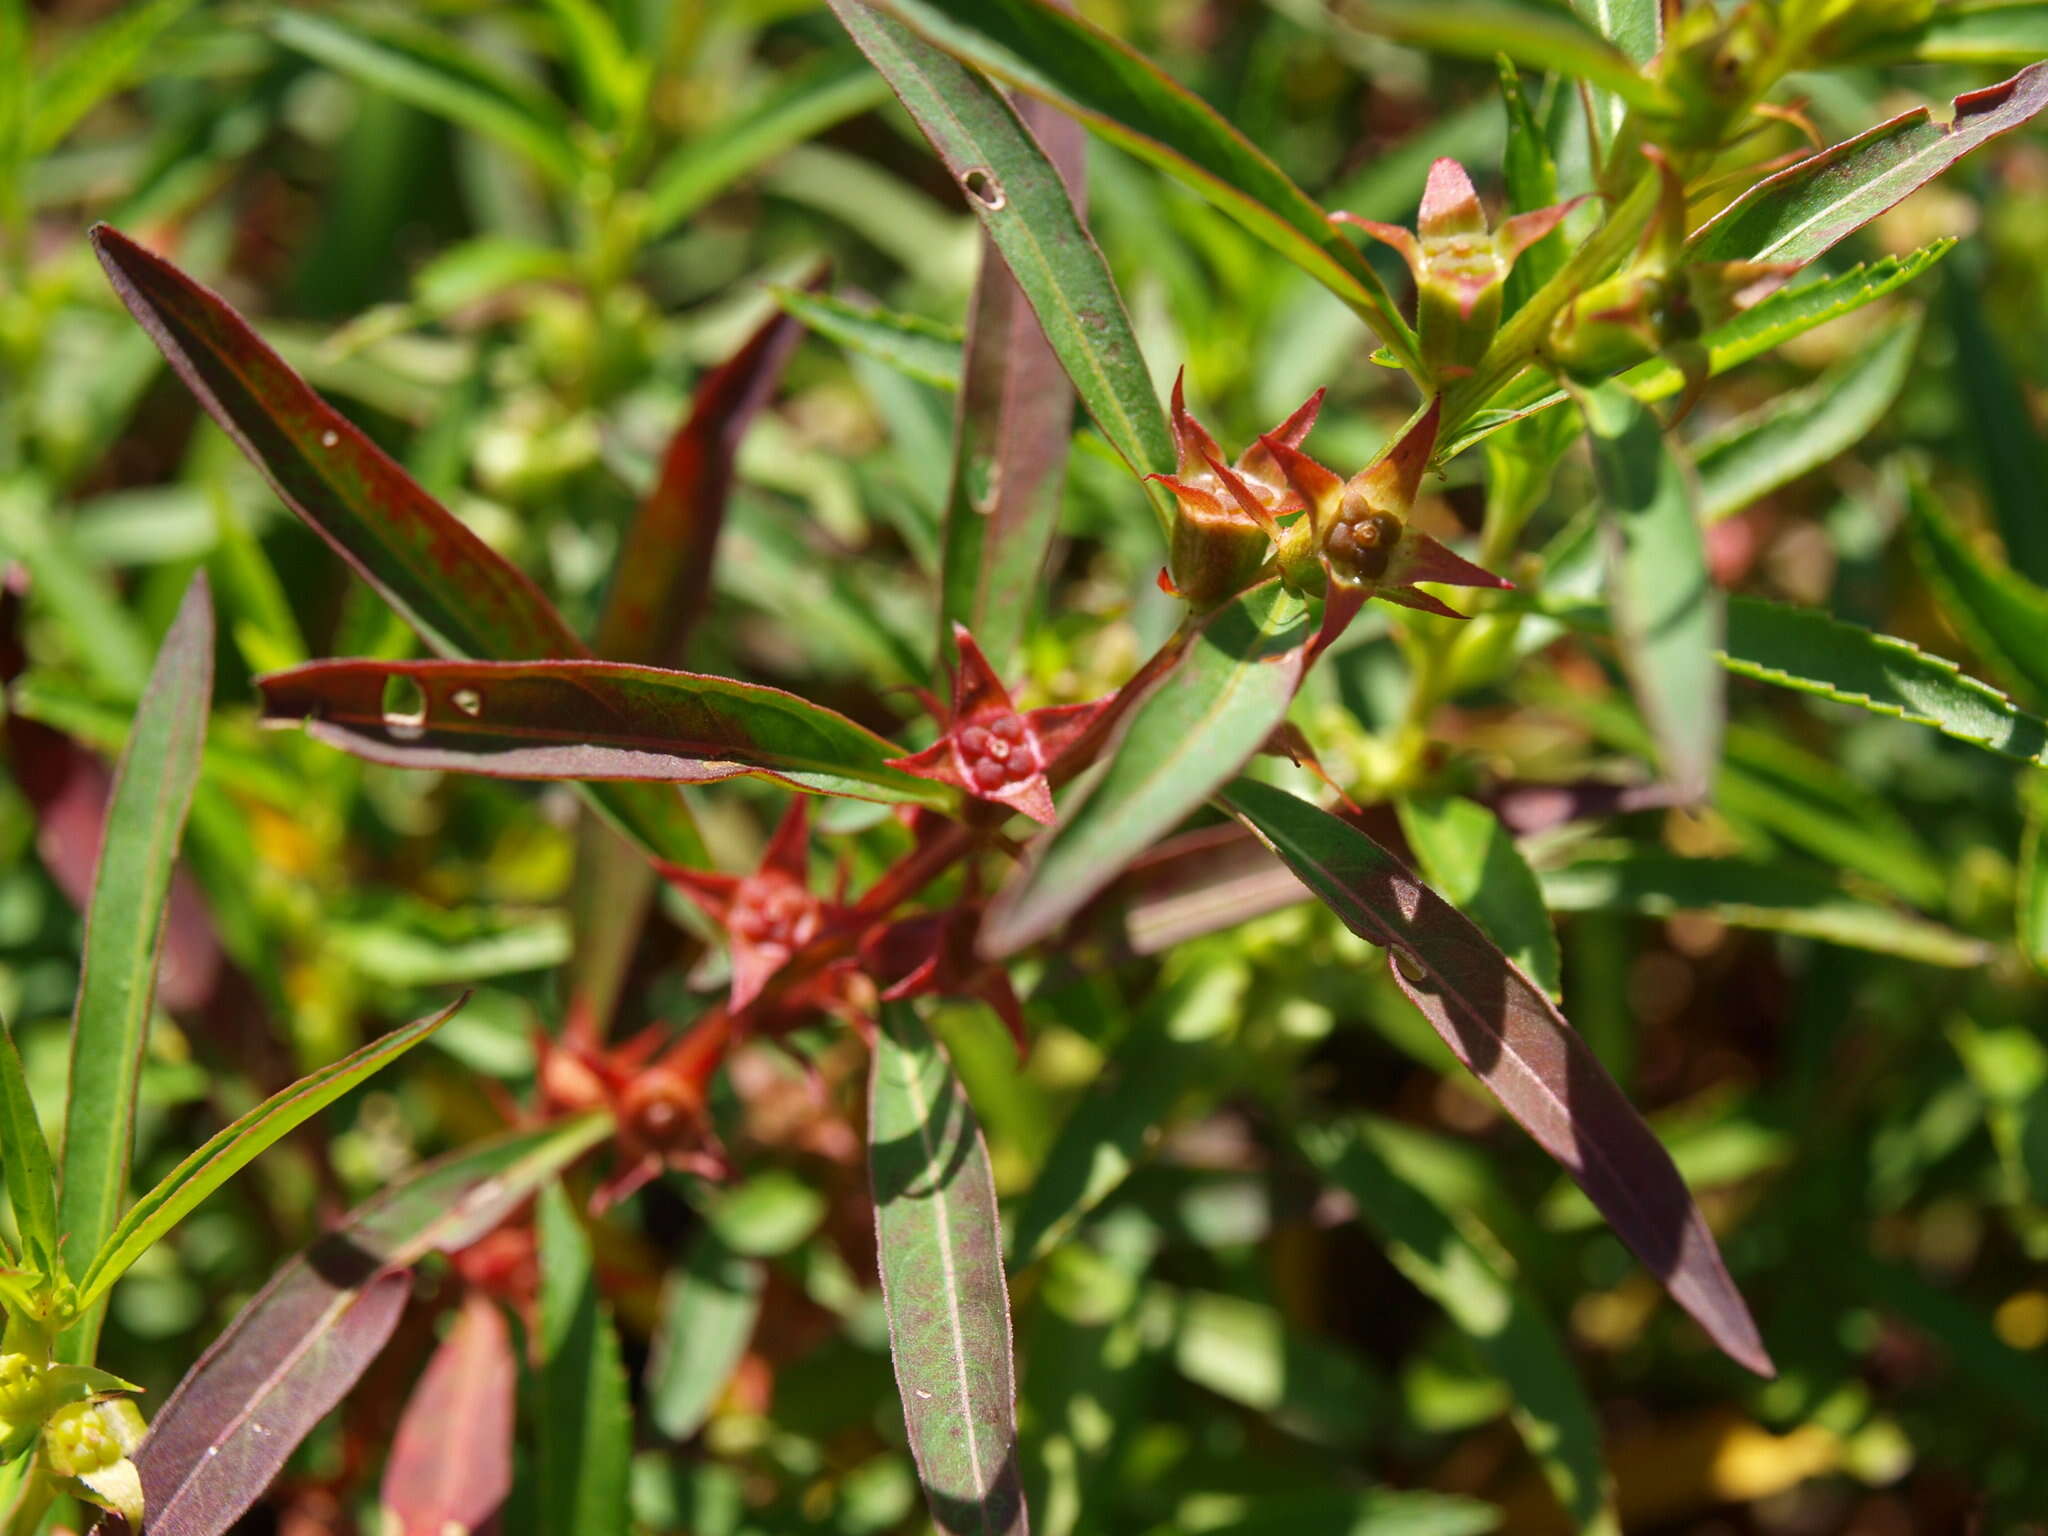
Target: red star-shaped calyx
{"type": "Point", "coordinates": [989, 747]}
{"type": "Point", "coordinates": [768, 915]}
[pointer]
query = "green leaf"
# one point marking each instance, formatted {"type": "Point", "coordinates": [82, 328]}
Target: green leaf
{"type": "Point", "coordinates": [2030, 913]}
{"type": "Point", "coordinates": [124, 934]}
{"type": "Point", "coordinates": [1189, 732]}
{"type": "Point", "coordinates": [1745, 893]}
{"type": "Point", "coordinates": [1668, 614]}
{"type": "Point", "coordinates": [1513, 1039]}
{"type": "Point", "coordinates": [1472, 860]}
{"type": "Point", "coordinates": [941, 1251]}
{"type": "Point", "coordinates": [586, 1432]}
{"type": "Point", "coordinates": [914, 346]}
{"type": "Point", "coordinates": [1802, 211]}
{"type": "Point", "coordinates": [1532, 33]}
{"type": "Point", "coordinates": [1044, 51]}
{"type": "Point", "coordinates": [1011, 436]}
{"type": "Point", "coordinates": [233, 1149]}
{"type": "Point", "coordinates": [430, 70]}
{"type": "Point", "coordinates": [610, 83]}
{"type": "Point", "coordinates": [95, 66]}
{"type": "Point", "coordinates": [1790, 313]}
{"type": "Point", "coordinates": [1798, 432]}
{"type": "Point", "coordinates": [587, 720]}
{"type": "Point", "coordinates": [1374, 1512]}
{"type": "Point", "coordinates": [1530, 170]}
{"type": "Point", "coordinates": [453, 588]}
{"type": "Point", "coordinates": [1458, 1265]}
{"type": "Point", "coordinates": [2003, 615]}
{"type": "Point", "coordinates": [708, 1310]}
{"type": "Point", "coordinates": [1246, 1352]}
{"type": "Point", "coordinates": [803, 105]}
{"type": "Point", "coordinates": [31, 1177]}
{"type": "Point", "coordinates": [1984, 32]}
{"type": "Point", "coordinates": [1996, 419]}
{"type": "Point", "coordinates": [1636, 29]}
{"type": "Point", "coordinates": [1024, 206]}
{"type": "Point", "coordinates": [1966, 1337]}
{"type": "Point", "coordinates": [102, 633]}
{"type": "Point", "coordinates": [1810, 652]}
{"type": "Point", "coordinates": [1123, 1113]}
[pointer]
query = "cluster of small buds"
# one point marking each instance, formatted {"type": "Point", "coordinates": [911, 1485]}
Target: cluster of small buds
{"type": "Point", "coordinates": [78, 1442]}
{"type": "Point", "coordinates": [777, 917]}
{"type": "Point", "coordinates": [990, 748]}
{"type": "Point", "coordinates": [1460, 264]}
{"type": "Point", "coordinates": [1227, 516]}
{"type": "Point", "coordinates": [999, 753]}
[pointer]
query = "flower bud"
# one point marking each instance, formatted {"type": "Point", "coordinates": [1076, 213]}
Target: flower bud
{"type": "Point", "coordinates": [1460, 265]}
{"type": "Point", "coordinates": [85, 1448]}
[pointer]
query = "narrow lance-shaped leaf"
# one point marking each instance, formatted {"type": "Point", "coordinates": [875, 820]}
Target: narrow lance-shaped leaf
{"type": "Point", "coordinates": [588, 720]}
{"type": "Point", "coordinates": [1188, 734]}
{"type": "Point", "coordinates": [1752, 894]}
{"type": "Point", "coordinates": [462, 597]}
{"type": "Point", "coordinates": [1811, 652]}
{"type": "Point", "coordinates": [124, 930]}
{"type": "Point", "coordinates": [941, 1250]}
{"type": "Point", "coordinates": [298, 1347]}
{"type": "Point", "coordinates": [1995, 414]}
{"type": "Point", "coordinates": [1026, 210]}
{"type": "Point", "coordinates": [30, 1176]}
{"type": "Point", "coordinates": [1501, 1026]}
{"type": "Point", "coordinates": [1448, 1259]}
{"type": "Point", "coordinates": [1010, 439]}
{"type": "Point", "coordinates": [1802, 211]}
{"type": "Point", "coordinates": [433, 72]}
{"type": "Point", "coordinates": [663, 581]}
{"type": "Point", "coordinates": [803, 105]}
{"type": "Point", "coordinates": [2003, 615]}
{"type": "Point", "coordinates": [1968, 32]}
{"type": "Point", "coordinates": [1472, 859]}
{"type": "Point", "coordinates": [708, 1311]}
{"type": "Point", "coordinates": [1668, 614]}
{"type": "Point", "coordinates": [914, 346]}
{"type": "Point", "coordinates": [586, 1434]}
{"type": "Point", "coordinates": [1800, 432]}
{"type": "Point", "coordinates": [451, 1454]}
{"type": "Point", "coordinates": [1636, 28]}
{"type": "Point", "coordinates": [1532, 33]}
{"type": "Point", "coordinates": [1042, 50]}
{"type": "Point", "coordinates": [1784, 315]}
{"type": "Point", "coordinates": [225, 1154]}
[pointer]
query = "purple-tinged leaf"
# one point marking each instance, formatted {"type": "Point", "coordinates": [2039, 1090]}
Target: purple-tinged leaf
{"type": "Point", "coordinates": [588, 720]}
{"type": "Point", "coordinates": [1187, 734]}
{"type": "Point", "coordinates": [1501, 1026]}
{"type": "Point", "coordinates": [1010, 436]}
{"type": "Point", "coordinates": [230, 1150]}
{"type": "Point", "coordinates": [460, 594]}
{"type": "Point", "coordinates": [451, 1455]}
{"type": "Point", "coordinates": [124, 933]}
{"type": "Point", "coordinates": [940, 1244]}
{"type": "Point", "coordinates": [664, 566]}
{"type": "Point", "coordinates": [1024, 202]}
{"type": "Point", "coordinates": [1802, 211]}
{"type": "Point", "coordinates": [418, 555]}
{"type": "Point", "coordinates": [300, 1345]}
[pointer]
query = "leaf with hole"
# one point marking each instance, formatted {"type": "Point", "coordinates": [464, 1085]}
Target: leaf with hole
{"type": "Point", "coordinates": [587, 720]}
{"type": "Point", "coordinates": [1042, 50]}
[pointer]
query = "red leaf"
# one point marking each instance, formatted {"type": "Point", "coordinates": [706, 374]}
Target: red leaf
{"type": "Point", "coordinates": [451, 1456]}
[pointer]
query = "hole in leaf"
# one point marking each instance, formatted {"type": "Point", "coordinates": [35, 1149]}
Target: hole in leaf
{"type": "Point", "coordinates": [405, 707]}
{"type": "Point", "coordinates": [468, 700]}
{"type": "Point", "coordinates": [981, 185]}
